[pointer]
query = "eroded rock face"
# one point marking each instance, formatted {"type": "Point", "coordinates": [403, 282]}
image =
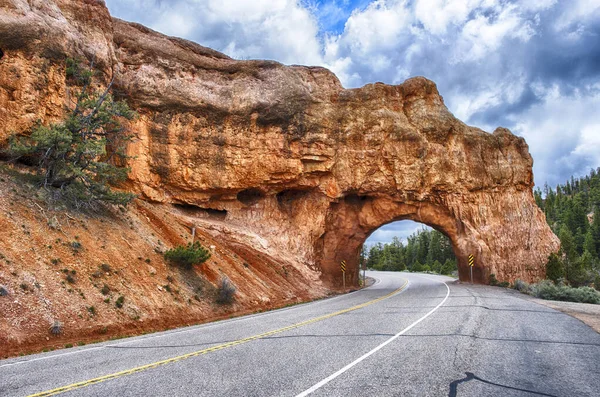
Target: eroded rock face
{"type": "Point", "coordinates": [284, 152]}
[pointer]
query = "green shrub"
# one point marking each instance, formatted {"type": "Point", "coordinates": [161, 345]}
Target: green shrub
{"type": "Point", "coordinates": [493, 279]}
{"type": "Point", "coordinates": [105, 290]}
{"type": "Point", "coordinates": [225, 292]}
{"type": "Point", "coordinates": [188, 255]}
{"type": "Point", "coordinates": [504, 284]}
{"type": "Point", "coordinates": [120, 301]}
{"type": "Point", "coordinates": [521, 286]}
{"type": "Point", "coordinates": [550, 291]}
{"type": "Point", "coordinates": [554, 268]}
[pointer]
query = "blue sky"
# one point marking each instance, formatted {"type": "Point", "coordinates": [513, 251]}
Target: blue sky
{"type": "Point", "coordinates": [532, 66]}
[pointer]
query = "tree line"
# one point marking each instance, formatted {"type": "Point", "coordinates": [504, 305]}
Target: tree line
{"type": "Point", "coordinates": [425, 251]}
{"type": "Point", "coordinates": [570, 211]}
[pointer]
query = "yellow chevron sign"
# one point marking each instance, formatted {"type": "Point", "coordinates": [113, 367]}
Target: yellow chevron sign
{"type": "Point", "coordinates": [471, 260]}
{"type": "Point", "coordinates": [343, 266]}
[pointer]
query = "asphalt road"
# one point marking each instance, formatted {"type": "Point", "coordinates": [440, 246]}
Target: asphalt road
{"type": "Point", "coordinates": [433, 337]}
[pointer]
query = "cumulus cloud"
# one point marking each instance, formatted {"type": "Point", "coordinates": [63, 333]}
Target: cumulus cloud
{"type": "Point", "coordinates": [400, 229]}
{"type": "Point", "coordinates": [282, 30]}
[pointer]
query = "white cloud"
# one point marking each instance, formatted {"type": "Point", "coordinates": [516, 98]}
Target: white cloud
{"type": "Point", "coordinates": [578, 13]}
{"type": "Point", "coordinates": [563, 136]}
{"type": "Point", "coordinates": [400, 229]}
{"type": "Point", "coordinates": [483, 34]}
{"type": "Point", "coordinates": [283, 30]}
{"type": "Point", "coordinates": [436, 15]}
{"type": "Point", "coordinates": [376, 28]}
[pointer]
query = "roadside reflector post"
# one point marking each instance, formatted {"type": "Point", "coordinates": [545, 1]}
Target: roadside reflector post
{"type": "Point", "coordinates": [471, 263]}
{"type": "Point", "coordinates": [364, 274]}
{"type": "Point", "coordinates": [343, 267]}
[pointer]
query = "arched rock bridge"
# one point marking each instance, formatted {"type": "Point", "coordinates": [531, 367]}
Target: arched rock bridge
{"type": "Point", "coordinates": [284, 157]}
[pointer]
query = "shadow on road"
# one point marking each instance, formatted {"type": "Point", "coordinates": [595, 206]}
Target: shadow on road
{"type": "Point", "coordinates": [470, 376]}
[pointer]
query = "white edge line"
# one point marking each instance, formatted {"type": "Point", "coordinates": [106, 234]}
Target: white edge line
{"type": "Point", "coordinates": [160, 334]}
{"type": "Point", "coordinates": [51, 356]}
{"type": "Point", "coordinates": [376, 349]}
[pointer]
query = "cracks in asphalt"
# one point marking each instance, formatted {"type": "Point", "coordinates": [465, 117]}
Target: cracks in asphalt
{"type": "Point", "coordinates": [505, 339]}
{"type": "Point", "coordinates": [456, 349]}
{"type": "Point", "coordinates": [470, 306]}
{"type": "Point", "coordinates": [508, 310]}
{"type": "Point", "coordinates": [471, 376]}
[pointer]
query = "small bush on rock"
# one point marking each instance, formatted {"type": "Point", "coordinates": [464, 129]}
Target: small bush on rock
{"type": "Point", "coordinates": [188, 255]}
{"type": "Point", "coordinates": [56, 328]}
{"type": "Point", "coordinates": [120, 301]}
{"type": "Point", "coordinates": [225, 292]}
{"type": "Point", "coordinates": [493, 279]}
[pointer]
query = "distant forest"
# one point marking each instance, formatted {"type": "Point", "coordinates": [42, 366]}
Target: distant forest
{"type": "Point", "coordinates": [426, 250]}
{"type": "Point", "coordinates": [569, 210]}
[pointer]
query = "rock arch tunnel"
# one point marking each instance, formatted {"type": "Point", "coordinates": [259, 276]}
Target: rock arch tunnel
{"type": "Point", "coordinates": [314, 190]}
{"type": "Point", "coordinates": [303, 168]}
{"type": "Point", "coordinates": [357, 217]}
{"type": "Point", "coordinates": [500, 231]}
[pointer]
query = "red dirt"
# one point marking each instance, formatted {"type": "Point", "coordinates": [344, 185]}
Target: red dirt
{"type": "Point", "coordinates": [38, 251]}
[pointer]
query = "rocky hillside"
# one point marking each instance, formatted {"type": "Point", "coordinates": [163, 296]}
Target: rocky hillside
{"type": "Point", "coordinates": [61, 266]}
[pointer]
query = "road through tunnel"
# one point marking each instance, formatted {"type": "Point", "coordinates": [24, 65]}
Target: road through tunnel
{"type": "Point", "coordinates": [353, 219]}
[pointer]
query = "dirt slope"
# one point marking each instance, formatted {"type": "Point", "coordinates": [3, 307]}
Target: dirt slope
{"type": "Point", "coordinates": [55, 263]}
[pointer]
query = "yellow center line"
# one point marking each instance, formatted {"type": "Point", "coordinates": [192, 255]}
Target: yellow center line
{"type": "Point", "coordinates": [115, 375]}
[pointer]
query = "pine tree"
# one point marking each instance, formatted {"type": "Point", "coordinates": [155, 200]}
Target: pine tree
{"type": "Point", "coordinates": [77, 158]}
{"type": "Point", "coordinates": [554, 268]}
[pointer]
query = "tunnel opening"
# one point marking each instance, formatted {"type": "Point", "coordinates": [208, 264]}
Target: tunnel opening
{"type": "Point", "coordinates": [351, 221]}
{"type": "Point", "coordinates": [409, 246]}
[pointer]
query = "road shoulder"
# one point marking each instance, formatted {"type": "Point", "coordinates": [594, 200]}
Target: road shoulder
{"type": "Point", "coordinates": [588, 313]}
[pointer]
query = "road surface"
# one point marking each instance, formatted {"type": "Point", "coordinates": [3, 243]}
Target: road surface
{"type": "Point", "coordinates": [407, 335]}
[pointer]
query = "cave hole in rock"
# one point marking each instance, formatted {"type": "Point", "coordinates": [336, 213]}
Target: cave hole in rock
{"type": "Point", "coordinates": [200, 212]}
{"type": "Point", "coordinates": [408, 246]}
{"type": "Point", "coordinates": [250, 197]}
{"type": "Point", "coordinates": [289, 199]}
{"type": "Point", "coordinates": [1, 53]}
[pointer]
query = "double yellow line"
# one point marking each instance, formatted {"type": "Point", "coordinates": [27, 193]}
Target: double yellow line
{"type": "Point", "coordinates": [115, 375]}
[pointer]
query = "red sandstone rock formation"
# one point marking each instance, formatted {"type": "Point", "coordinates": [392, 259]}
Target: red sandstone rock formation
{"type": "Point", "coordinates": [283, 153]}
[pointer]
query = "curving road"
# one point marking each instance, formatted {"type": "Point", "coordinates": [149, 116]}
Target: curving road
{"type": "Point", "coordinates": [407, 335]}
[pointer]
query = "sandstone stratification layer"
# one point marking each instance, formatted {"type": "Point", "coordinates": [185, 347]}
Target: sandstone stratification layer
{"type": "Point", "coordinates": [284, 153]}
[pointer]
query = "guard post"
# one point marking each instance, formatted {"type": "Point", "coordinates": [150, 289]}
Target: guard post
{"type": "Point", "coordinates": [471, 263]}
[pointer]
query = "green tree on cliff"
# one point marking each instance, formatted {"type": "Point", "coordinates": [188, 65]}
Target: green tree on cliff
{"type": "Point", "coordinates": [78, 159]}
{"type": "Point", "coordinates": [572, 211]}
